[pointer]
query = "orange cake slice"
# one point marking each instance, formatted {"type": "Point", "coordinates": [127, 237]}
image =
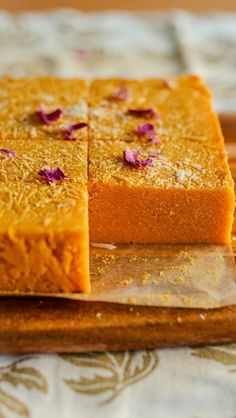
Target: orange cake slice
{"type": "Point", "coordinates": [158, 170]}
{"type": "Point", "coordinates": [42, 108]}
{"type": "Point", "coordinates": [43, 216]}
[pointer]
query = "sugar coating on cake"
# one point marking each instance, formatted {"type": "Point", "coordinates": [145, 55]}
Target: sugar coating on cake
{"type": "Point", "coordinates": [25, 102]}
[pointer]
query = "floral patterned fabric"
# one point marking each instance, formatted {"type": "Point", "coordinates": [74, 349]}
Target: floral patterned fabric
{"type": "Point", "coordinates": [180, 383]}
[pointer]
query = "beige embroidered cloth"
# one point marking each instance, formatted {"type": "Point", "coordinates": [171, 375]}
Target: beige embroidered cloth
{"type": "Point", "coordinates": [179, 383]}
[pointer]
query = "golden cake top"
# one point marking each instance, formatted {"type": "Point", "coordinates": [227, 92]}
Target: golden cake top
{"type": "Point", "coordinates": [181, 107]}
{"type": "Point", "coordinates": [160, 133]}
{"type": "Point", "coordinates": [24, 102]}
{"type": "Point", "coordinates": [183, 164]}
{"type": "Point", "coordinates": [33, 201]}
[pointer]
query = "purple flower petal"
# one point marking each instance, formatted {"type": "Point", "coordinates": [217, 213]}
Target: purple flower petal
{"type": "Point", "coordinates": [68, 136]}
{"type": "Point", "coordinates": [48, 118]}
{"type": "Point", "coordinates": [67, 132]}
{"type": "Point", "coordinates": [143, 113]}
{"type": "Point", "coordinates": [7, 152]}
{"type": "Point", "coordinates": [123, 93]}
{"type": "Point", "coordinates": [132, 158]}
{"type": "Point", "coordinates": [154, 139]}
{"type": "Point", "coordinates": [51, 175]}
{"type": "Point", "coordinates": [77, 126]}
{"type": "Point", "coordinates": [146, 129]}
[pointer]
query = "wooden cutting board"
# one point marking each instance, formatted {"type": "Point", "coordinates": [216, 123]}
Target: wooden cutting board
{"type": "Point", "coordinates": [37, 325]}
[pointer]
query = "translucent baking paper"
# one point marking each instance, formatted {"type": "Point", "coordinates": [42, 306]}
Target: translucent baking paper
{"type": "Point", "coordinates": [187, 276]}
{"type": "Point", "coordinates": [193, 276]}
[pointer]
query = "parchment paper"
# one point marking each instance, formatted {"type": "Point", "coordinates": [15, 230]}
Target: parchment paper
{"type": "Point", "coordinates": [187, 276]}
{"type": "Point", "coordinates": [193, 276]}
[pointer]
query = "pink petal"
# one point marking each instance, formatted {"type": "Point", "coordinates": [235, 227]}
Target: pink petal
{"type": "Point", "coordinates": [123, 93]}
{"type": "Point", "coordinates": [52, 175]}
{"type": "Point", "coordinates": [146, 163]}
{"type": "Point", "coordinates": [48, 118]}
{"type": "Point", "coordinates": [146, 129]}
{"type": "Point", "coordinates": [143, 113]}
{"type": "Point", "coordinates": [154, 139]}
{"type": "Point", "coordinates": [7, 152]}
{"type": "Point", "coordinates": [77, 126]}
{"type": "Point", "coordinates": [67, 132]}
{"type": "Point", "coordinates": [132, 158]}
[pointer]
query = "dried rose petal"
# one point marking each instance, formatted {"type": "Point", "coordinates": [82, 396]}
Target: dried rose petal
{"type": "Point", "coordinates": [48, 118]}
{"type": "Point", "coordinates": [7, 152]}
{"type": "Point", "coordinates": [132, 158]}
{"type": "Point", "coordinates": [146, 129]}
{"type": "Point", "coordinates": [51, 175]}
{"type": "Point", "coordinates": [154, 139]}
{"type": "Point", "coordinates": [68, 136]}
{"type": "Point", "coordinates": [169, 83]}
{"type": "Point", "coordinates": [143, 113]}
{"type": "Point", "coordinates": [67, 132]}
{"type": "Point", "coordinates": [123, 93]}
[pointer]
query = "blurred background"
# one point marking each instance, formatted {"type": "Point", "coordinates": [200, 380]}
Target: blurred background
{"type": "Point", "coordinates": [196, 5]}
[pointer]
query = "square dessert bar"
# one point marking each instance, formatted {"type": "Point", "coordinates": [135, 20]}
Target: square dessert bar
{"type": "Point", "coordinates": [44, 243]}
{"type": "Point", "coordinates": [42, 108]}
{"type": "Point", "coordinates": [158, 170]}
{"type": "Point", "coordinates": [178, 108]}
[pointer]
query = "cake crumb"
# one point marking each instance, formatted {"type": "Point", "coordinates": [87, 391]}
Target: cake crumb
{"type": "Point", "coordinates": [126, 282]}
{"type": "Point", "coordinates": [132, 301]}
{"type": "Point", "coordinates": [164, 297]}
{"type": "Point", "coordinates": [187, 301]}
{"type": "Point", "coordinates": [211, 271]}
{"type": "Point", "coordinates": [213, 281]}
{"type": "Point", "coordinates": [146, 278]}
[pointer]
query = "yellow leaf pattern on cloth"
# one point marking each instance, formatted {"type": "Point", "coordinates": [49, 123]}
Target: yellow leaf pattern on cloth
{"type": "Point", "coordinates": [17, 374]}
{"type": "Point", "coordinates": [112, 372]}
{"type": "Point", "coordinates": [225, 354]}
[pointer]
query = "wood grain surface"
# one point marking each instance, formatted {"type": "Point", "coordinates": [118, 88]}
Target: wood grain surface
{"type": "Point", "coordinates": [50, 325]}
{"type": "Point", "coordinates": [37, 325]}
